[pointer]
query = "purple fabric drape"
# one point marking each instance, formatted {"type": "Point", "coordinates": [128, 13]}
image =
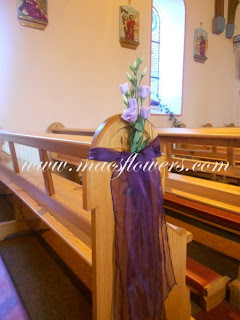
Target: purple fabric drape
{"type": "Point", "coordinates": [144, 272]}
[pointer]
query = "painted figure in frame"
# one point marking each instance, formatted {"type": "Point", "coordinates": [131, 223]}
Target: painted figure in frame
{"type": "Point", "coordinates": [33, 13]}
{"type": "Point", "coordinates": [129, 25]}
{"type": "Point", "coordinates": [200, 45]}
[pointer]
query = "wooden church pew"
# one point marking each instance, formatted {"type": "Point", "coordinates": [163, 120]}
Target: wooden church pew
{"type": "Point", "coordinates": [211, 202]}
{"type": "Point", "coordinates": [215, 203]}
{"type": "Point", "coordinates": [82, 215]}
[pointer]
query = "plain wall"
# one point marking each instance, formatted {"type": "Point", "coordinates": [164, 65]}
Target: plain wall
{"type": "Point", "coordinates": [71, 71]}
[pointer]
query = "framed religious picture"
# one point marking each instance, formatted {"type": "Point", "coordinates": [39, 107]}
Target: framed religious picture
{"type": "Point", "coordinates": [128, 27]}
{"type": "Point", "coordinates": [33, 13]}
{"type": "Point", "coordinates": [200, 45]}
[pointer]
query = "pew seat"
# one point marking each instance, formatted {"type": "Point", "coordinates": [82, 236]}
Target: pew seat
{"type": "Point", "coordinates": [67, 205]}
{"type": "Point", "coordinates": [220, 218]}
{"type": "Point", "coordinates": [209, 285]}
{"type": "Point", "coordinates": [11, 307]}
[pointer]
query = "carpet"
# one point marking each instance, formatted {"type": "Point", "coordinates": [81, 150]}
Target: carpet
{"type": "Point", "coordinates": [6, 209]}
{"type": "Point", "coordinates": [11, 307]}
{"type": "Point", "coordinates": [224, 265]}
{"type": "Point", "coordinates": [46, 290]}
{"type": "Point", "coordinates": [224, 311]}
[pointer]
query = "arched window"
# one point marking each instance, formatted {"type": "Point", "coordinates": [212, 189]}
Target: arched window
{"type": "Point", "coordinates": [155, 57]}
{"type": "Point", "coordinates": [167, 55]}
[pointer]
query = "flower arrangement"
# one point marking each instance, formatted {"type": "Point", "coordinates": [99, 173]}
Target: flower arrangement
{"type": "Point", "coordinates": [135, 113]}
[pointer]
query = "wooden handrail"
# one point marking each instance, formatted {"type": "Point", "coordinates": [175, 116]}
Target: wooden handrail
{"type": "Point", "coordinates": [217, 133]}
{"type": "Point", "coordinates": [211, 133]}
{"type": "Point", "coordinates": [64, 144]}
{"type": "Point", "coordinates": [75, 131]}
{"type": "Point", "coordinates": [225, 137]}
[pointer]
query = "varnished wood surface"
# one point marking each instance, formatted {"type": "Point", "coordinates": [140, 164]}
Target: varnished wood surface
{"type": "Point", "coordinates": [77, 146]}
{"type": "Point", "coordinates": [75, 131]}
{"type": "Point", "coordinates": [87, 224]}
{"type": "Point", "coordinates": [67, 232]}
{"type": "Point", "coordinates": [219, 195]}
{"type": "Point", "coordinates": [219, 8]}
{"type": "Point", "coordinates": [203, 212]}
{"type": "Point", "coordinates": [217, 133]}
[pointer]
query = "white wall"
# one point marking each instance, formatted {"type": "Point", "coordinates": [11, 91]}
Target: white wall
{"type": "Point", "coordinates": [71, 71]}
{"type": "Point", "coordinates": [210, 91]}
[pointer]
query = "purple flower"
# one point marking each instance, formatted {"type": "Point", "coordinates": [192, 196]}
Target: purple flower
{"type": "Point", "coordinates": [130, 114]}
{"type": "Point", "coordinates": [124, 88]}
{"type": "Point", "coordinates": [145, 112]}
{"type": "Point", "coordinates": [144, 92]}
{"type": "Point", "coordinates": [132, 103]}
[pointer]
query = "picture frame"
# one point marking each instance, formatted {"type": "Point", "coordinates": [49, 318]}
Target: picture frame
{"type": "Point", "coordinates": [200, 45]}
{"type": "Point", "coordinates": [128, 27]}
{"type": "Point", "coordinates": [33, 13]}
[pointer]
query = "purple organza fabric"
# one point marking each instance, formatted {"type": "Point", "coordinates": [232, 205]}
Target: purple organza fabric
{"type": "Point", "coordinates": [144, 271]}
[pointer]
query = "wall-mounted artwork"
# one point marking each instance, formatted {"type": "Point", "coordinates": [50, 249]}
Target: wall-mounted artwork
{"type": "Point", "coordinates": [128, 27]}
{"type": "Point", "coordinates": [33, 13]}
{"type": "Point", "coordinates": [200, 45]}
{"type": "Point", "coordinates": [236, 50]}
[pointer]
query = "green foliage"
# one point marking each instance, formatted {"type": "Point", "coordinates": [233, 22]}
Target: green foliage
{"type": "Point", "coordinates": [139, 124]}
{"type": "Point", "coordinates": [136, 138]}
{"type": "Point", "coordinates": [172, 117]}
{"type": "Point", "coordinates": [125, 100]}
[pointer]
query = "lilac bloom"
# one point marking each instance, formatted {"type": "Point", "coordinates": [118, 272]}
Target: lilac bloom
{"type": "Point", "coordinates": [130, 114]}
{"type": "Point", "coordinates": [132, 103]}
{"type": "Point", "coordinates": [145, 112]}
{"type": "Point", "coordinates": [124, 88]}
{"type": "Point", "coordinates": [144, 91]}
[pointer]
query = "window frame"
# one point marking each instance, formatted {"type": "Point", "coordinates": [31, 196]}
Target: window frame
{"type": "Point", "coordinates": [183, 73]}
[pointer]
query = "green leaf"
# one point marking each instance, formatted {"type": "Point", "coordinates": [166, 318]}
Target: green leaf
{"type": "Point", "coordinates": [139, 124]}
{"type": "Point", "coordinates": [125, 100]}
{"type": "Point", "coordinates": [140, 144]}
{"type": "Point", "coordinates": [132, 68]}
{"type": "Point", "coordinates": [145, 143]}
{"type": "Point", "coordinates": [136, 138]}
{"type": "Point", "coordinates": [129, 77]}
{"type": "Point", "coordinates": [131, 137]}
{"type": "Point", "coordinates": [132, 92]}
{"type": "Point", "coordinates": [135, 65]}
{"type": "Point", "coordinates": [144, 72]}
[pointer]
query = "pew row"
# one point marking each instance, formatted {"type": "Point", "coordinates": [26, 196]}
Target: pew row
{"type": "Point", "coordinates": [82, 215]}
{"type": "Point", "coordinates": [196, 199]}
{"type": "Point", "coordinates": [211, 202]}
